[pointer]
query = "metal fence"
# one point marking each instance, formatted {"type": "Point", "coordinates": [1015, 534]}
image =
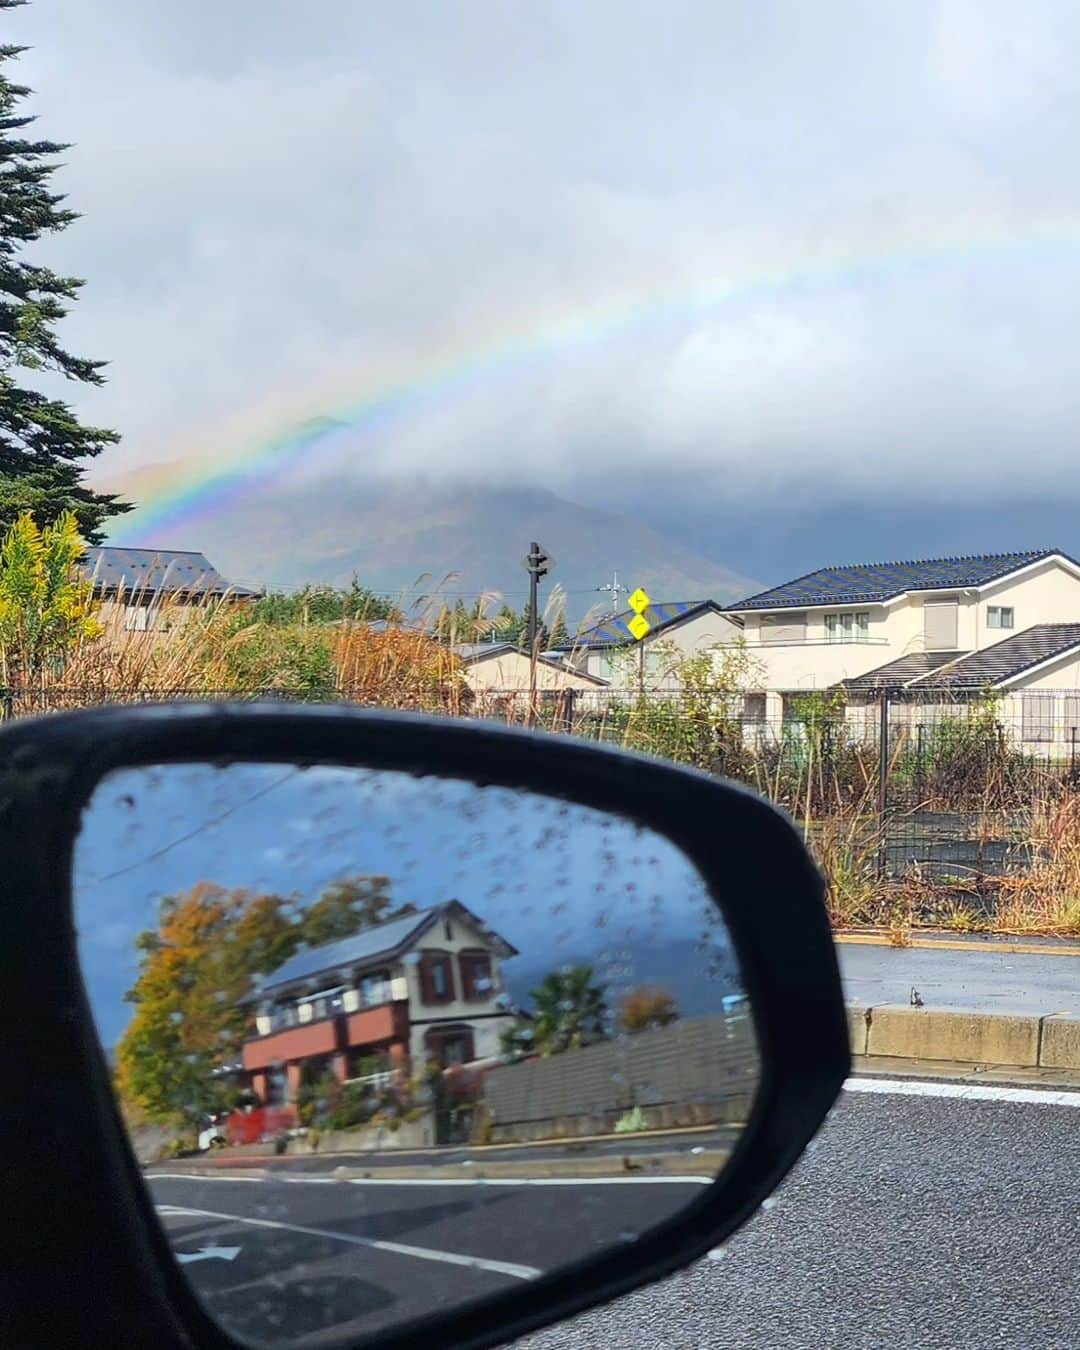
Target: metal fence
{"type": "Point", "coordinates": [952, 787]}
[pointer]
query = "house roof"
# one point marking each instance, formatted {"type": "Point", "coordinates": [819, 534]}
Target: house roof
{"type": "Point", "coordinates": [615, 631]}
{"type": "Point", "coordinates": [366, 948]}
{"type": "Point", "coordinates": [480, 651]}
{"type": "Point", "coordinates": [870, 583]}
{"type": "Point", "coordinates": [895, 674]}
{"type": "Point", "coordinates": [162, 570]}
{"type": "Point", "coordinates": [1007, 660]}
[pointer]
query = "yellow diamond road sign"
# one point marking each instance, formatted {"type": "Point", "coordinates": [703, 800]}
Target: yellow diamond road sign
{"type": "Point", "coordinates": [639, 601]}
{"type": "Point", "coordinates": [639, 626]}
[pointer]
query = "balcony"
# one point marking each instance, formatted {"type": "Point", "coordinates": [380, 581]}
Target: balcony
{"type": "Point", "coordinates": [329, 1035]}
{"type": "Point", "coordinates": [376, 1026]}
{"type": "Point", "coordinates": [316, 1038]}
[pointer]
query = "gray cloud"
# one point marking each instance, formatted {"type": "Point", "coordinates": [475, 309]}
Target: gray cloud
{"type": "Point", "coordinates": [285, 206]}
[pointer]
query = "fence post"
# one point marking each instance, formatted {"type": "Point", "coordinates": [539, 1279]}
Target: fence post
{"type": "Point", "coordinates": [1072, 753]}
{"type": "Point", "coordinates": [883, 778]}
{"type": "Point", "coordinates": [8, 705]}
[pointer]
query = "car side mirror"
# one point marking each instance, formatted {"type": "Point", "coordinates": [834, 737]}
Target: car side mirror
{"type": "Point", "coordinates": [498, 1025]}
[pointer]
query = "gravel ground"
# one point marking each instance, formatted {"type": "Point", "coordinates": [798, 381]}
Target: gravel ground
{"type": "Point", "coordinates": [912, 1222]}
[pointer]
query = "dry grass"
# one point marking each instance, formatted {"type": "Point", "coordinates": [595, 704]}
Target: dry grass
{"type": "Point", "coordinates": [1046, 898]}
{"type": "Point", "coordinates": [218, 647]}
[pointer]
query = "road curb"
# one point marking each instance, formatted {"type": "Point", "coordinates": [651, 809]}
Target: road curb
{"type": "Point", "coordinates": [708, 1163]}
{"type": "Point", "coordinates": [965, 1036]}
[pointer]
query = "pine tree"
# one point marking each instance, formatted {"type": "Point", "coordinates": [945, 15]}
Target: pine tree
{"type": "Point", "coordinates": [41, 440]}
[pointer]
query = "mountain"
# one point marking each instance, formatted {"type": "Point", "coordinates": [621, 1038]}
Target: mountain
{"type": "Point", "coordinates": [389, 533]}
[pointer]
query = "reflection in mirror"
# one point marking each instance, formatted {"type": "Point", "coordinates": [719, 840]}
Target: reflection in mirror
{"type": "Point", "coordinates": [386, 1044]}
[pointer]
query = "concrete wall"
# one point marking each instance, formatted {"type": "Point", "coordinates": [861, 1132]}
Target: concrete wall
{"type": "Point", "coordinates": [409, 1135]}
{"type": "Point", "coordinates": [959, 1036]}
{"type": "Point", "coordinates": [698, 1070]}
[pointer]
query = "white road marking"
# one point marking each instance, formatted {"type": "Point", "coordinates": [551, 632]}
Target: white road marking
{"type": "Point", "coordinates": [971, 1092]}
{"type": "Point", "coordinates": [208, 1254]}
{"type": "Point", "coordinates": [194, 1176]}
{"type": "Point", "coordinates": [398, 1248]}
{"type": "Point", "coordinates": [530, 1181]}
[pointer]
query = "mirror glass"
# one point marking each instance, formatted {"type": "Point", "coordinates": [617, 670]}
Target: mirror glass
{"type": "Point", "coordinates": [386, 1044]}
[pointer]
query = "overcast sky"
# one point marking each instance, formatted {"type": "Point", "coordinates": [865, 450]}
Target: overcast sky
{"type": "Point", "coordinates": [560, 882]}
{"type": "Point", "coordinates": [862, 221]}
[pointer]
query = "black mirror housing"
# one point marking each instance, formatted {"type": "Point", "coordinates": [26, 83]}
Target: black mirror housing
{"type": "Point", "coordinates": [75, 1205]}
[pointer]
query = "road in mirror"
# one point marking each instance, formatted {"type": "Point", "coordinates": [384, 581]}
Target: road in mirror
{"type": "Point", "coordinates": [386, 1044]}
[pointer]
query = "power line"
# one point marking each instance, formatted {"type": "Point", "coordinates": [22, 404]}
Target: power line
{"type": "Point", "coordinates": [191, 834]}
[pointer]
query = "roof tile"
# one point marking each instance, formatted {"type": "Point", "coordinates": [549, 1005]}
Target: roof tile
{"type": "Point", "coordinates": [870, 583]}
{"type": "Point", "coordinates": [1008, 659]}
{"type": "Point", "coordinates": [161, 570]}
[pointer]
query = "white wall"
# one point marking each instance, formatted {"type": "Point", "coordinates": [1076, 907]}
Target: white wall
{"type": "Point", "coordinates": [1048, 593]}
{"type": "Point", "coordinates": [662, 651]}
{"type": "Point", "coordinates": [486, 1030]}
{"type": "Point", "coordinates": [509, 671]}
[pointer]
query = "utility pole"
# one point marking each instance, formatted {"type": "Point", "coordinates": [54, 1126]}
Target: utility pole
{"type": "Point", "coordinates": [537, 563]}
{"type": "Point", "coordinates": [613, 588]}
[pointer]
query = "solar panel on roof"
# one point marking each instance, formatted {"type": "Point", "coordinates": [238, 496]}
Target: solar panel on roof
{"type": "Point", "coordinates": [872, 582]}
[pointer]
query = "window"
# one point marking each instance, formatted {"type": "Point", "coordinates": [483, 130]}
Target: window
{"type": "Point", "coordinates": [327, 1003]}
{"type": "Point", "coordinates": [783, 628]}
{"type": "Point", "coordinates": [476, 982]}
{"type": "Point", "coordinates": [851, 627]}
{"type": "Point", "coordinates": [374, 989]}
{"type": "Point", "coordinates": [1037, 717]}
{"type": "Point", "coordinates": [436, 977]}
{"type": "Point", "coordinates": [140, 618]}
{"type": "Point", "coordinates": [754, 708]}
{"type": "Point", "coordinates": [999, 616]}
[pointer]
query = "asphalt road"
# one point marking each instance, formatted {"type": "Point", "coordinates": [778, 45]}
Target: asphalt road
{"type": "Point", "coordinates": [915, 1221]}
{"type": "Point", "coordinates": [278, 1260]}
{"type": "Point", "coordinates": [914, 1224]}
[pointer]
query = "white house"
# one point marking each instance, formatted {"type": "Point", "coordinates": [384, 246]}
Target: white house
{"type": "Point", "coordinates": [493, 668]}
{"type": "Point", "coordinates": [679, 629]}
{"type": "Point", "coordinates": [877, 625]}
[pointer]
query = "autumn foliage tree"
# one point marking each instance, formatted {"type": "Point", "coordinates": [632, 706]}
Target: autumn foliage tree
{"type": "Point", "coordinates": [195, 971]}
{"type": "Point", "coordinates": [646, 1007]}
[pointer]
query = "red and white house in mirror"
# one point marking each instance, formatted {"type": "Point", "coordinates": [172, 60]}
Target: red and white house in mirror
{"type": "Point", "coordinates": [421, 988]}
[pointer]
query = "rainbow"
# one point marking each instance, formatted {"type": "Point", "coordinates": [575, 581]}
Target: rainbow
{"type": "Point", "coordinates": [182, 496]}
